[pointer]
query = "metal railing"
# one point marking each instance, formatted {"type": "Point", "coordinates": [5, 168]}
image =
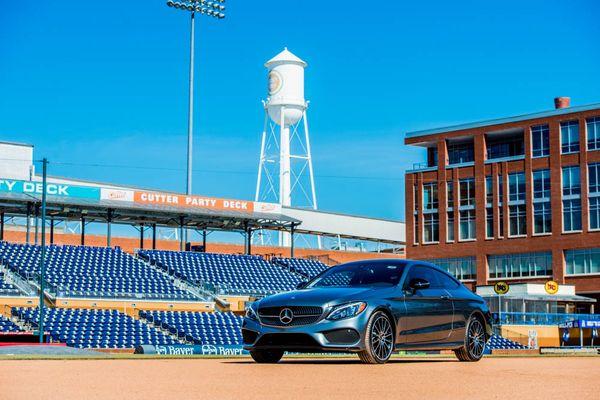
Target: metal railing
{"type": "Point", "coordinates": [517, 318]}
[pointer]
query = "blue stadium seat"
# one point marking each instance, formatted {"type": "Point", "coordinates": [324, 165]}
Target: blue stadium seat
{"type": "Point", "coordinates": [305, 267]}
{"type": "Point", "coordinates": [224, 273]}
{"type": "Point", "coordinates": [223, 328]}
{"type": "Point", "coordinates": [82, 271]}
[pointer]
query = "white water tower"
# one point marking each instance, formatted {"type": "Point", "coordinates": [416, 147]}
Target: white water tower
{"type": "Point", "coordinates": [285, 139]}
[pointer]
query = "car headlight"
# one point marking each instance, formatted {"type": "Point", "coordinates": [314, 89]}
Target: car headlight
{"type": "Point", "coordinates": [347, 311]}
{"type": "Point", "coordinates": [250, 313]}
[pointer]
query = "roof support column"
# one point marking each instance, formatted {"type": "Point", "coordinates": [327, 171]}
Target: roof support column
{"type": "Point", "coordinates": [204, 240]}
{"type": "Point", "coordinates": [181, 232]}
{"type": "Point", "coordinates": [248, 240]}
{"type": "Point", "coordinates": [52, 230]}
{"type": "Point", "coordinates": [2, 225]}
{"type": "Point", "coordinates": [27, 225]}
{"type": "Point", "coordinates": [82, 230]}
{"type": "Point", "coordinates": [109, 216]}
{"type": "Point", "coordinates": [153, 236]}
{"type": "Point", "coordinates": [142, 236]}
{"type": "Point", "coordinates": [292, 229]}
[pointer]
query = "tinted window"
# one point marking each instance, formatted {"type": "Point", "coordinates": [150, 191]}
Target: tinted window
{"type": "Point", "coordinates": [446, 281]}
{"type": "Point", "coordinates": [421, 272]}
{"type": "Point", "coordinates": [359, 275]}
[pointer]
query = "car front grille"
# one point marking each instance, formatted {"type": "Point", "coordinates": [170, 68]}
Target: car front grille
{"type": "Point", "coordinates": [303, 315]}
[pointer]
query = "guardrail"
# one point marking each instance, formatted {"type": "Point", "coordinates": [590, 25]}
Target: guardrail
{"type": "Point", "coordinates": [516, 318]}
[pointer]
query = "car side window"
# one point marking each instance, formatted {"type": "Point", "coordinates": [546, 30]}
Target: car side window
{"type": "Point", "coordinates": [446, 281]}
{"type": "Point", "coordinates": [422, 272]}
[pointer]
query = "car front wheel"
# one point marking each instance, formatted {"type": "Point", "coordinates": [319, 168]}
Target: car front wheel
{"type": "Point", "coordinates": [474, 341]}
{"type": "Point", "coordinates": [266, 356]}
{"type": "Point", "coordinates": [379, 339]}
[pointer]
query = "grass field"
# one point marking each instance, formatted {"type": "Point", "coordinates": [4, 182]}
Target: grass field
{"type": "Point", "coordinates": [440, 377]}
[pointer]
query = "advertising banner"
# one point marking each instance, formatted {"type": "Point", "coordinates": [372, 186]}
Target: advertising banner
{"type": "Point", "coordinates": [189, 350]}
{"type": "Point", "coordinates": [177, 200]}
{"type": "Point", "coordinates": [116, 195]}
{"type": "Point", "coordinates": [52, 189]}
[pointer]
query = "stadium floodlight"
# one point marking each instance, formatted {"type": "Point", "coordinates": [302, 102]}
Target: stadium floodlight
{"type": "Point", "coordinates": [212, 9]}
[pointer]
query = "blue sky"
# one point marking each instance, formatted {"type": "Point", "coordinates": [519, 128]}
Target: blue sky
{"type": "Point", "coordinates": [105, 83]}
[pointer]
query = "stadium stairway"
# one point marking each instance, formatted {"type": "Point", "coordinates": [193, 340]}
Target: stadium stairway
{"type": "Point", "coordinates": [11, 284]}
{"type": "Point", "coordinates": [178, 282]}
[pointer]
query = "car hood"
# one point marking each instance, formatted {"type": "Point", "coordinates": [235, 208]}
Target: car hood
{"type": "Point", "coordinates": [319, 296]}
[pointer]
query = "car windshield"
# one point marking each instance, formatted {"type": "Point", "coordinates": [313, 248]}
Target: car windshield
{"type": "Point", "coordinates": [374, 274]}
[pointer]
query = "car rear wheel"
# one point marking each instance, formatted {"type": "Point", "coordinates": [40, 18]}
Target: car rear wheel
{"type": "Point", "coordinates": [474, 341]}
{"type": "Point", "coordinates": [266, 356]}
{"type": "Point", "coordinates": [379, 339]}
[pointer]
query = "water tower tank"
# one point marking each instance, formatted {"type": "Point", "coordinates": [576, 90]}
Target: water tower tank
{"type": "Point", "coordinates": [286, 88]}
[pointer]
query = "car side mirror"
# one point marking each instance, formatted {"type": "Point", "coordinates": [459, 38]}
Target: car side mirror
{"type": "Point", "coordinates": [418, 283]}
{"type": "Point", "coordinates": [301, 285]}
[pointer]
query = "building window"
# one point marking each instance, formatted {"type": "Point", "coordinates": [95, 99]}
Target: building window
{"type": "Point", "coordinates": [489, 193]}
{"type": "Point", "coordinates": [450, 227]}
{"type": "Point", "coordinates": [432, 156]}
{"type": "Point", "coordinates": [467, 224]}
{"type": "Point", "coordinates": [430, 197]}
{"type": "Point", "coordinates": [520, 265]}
{"type": "Point", "coordinates": [583, 261]}
{"type": "Point", "coordinates": [593, 133]}
{"type": "Point", "coordinates": [449, 194]}
{"type": "Point", "coordinates": [416, 235]}
{"type": "Point", "coordinates": [501, 222]}
{"type": "Point", "coordinates": [571, 182]}
{"type": "Point", "coordinates": [594, 194]}
{"type": "Point", "coordinates": [489, 222]}
{"type": "Point", "coordinates": [571, 190]}
{"type": "Point", "coordinates": [467, 192]}
{"type": "Point", "coordinates": [569, 137]}
{"type": "Point", "coordinates": [503, 145]}
{"type": "Point", "coordinates": [540, 141]}
{"type": "Point", "coordinates": [462, 268]}
{"type": "Point", "coordinates": [542, 218]}
{"type": "Point", "coordinates": [459, 153]}
{"type": "Point", "coordinates": [518, 220]}
{"type": "Point", "coordinates": [431, 228]}
{"type": "Point", "coordinates": [516, 187]}
{"type": "Point", "coordinates": [542, 211]}
{"type": "Point", "coordinates": [572, 215]}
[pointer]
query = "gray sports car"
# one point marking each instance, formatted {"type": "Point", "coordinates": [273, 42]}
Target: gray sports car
{"type": "Point", "coordinates": [371, 308]}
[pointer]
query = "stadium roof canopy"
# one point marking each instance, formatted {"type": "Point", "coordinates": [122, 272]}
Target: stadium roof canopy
{"type": "Point", "coordinates": [137, 214]}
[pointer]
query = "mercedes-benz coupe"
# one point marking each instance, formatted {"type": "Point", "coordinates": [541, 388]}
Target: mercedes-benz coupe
{"type": "Point", "coordinates": [371, 308]}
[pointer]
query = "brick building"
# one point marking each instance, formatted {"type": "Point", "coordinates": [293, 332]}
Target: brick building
{"type": "Point", "coordinates": [515, 199]}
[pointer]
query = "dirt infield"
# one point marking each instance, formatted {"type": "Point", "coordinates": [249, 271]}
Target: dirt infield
{"type": "Point", "coordinates": [414, 378]}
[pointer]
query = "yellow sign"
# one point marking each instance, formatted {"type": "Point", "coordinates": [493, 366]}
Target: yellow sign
{"type": "Point", "coordinates": [501, 287]}
{"type": "Point", "coordinates": [551, 287]}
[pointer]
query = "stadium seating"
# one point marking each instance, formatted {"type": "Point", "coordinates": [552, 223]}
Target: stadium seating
{"type": "Point", "coordinates": [7, 325]}
{"type": "Point", "coordinates": [80, 271]}
{"type": "Point", "coordinates": [85, 328]}
{"type": "Point", "coordinates": [497, 342]}
{"type": "Point", "coordinates": [199, 328]}
{"type": "Point", "coordinates": [224, 273]}
{"type": "Point", "coordinates": [302, 266]}
{"type": "Point", "coordinates": [6, 289]}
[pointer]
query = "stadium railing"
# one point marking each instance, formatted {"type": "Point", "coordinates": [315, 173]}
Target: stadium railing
{"type": "Point", "coordinates": [517, 318]}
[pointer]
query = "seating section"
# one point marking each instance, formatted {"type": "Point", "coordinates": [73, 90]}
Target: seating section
{"type": "Point", "coordinates": [302, 266]}
{"type": "Point", "coordinates": [7, 325]}
{"type": "Point", "coordinates": [198, 328]}
{"type": "Point", "coordinates": [85, 328]}
{"type": "Point", "coordinates": [81, 271]}
{"type": "Point", "coordinates": [497, 342]}
{"type": "Point", "coordinates": [7, 289]}
{"type": "Point", "coordinates": [224, 273]}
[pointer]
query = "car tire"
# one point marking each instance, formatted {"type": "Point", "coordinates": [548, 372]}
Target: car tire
{"type": "Point", "coordinates": [379, 339]}
{"type": "Point", "coordinates": [475, 340]}
{"type": "Point", "coordinates": [266, 356]}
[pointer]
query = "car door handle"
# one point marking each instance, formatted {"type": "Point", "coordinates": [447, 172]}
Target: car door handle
{"type": "Point", "coordinates": [444, 297]}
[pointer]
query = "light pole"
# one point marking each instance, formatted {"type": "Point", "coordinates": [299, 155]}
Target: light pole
{"type": "Point", "coordinates": [213, 9]}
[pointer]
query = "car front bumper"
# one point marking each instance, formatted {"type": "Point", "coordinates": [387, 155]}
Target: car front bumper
{"type": "Point", "coordinates": [345, 335]}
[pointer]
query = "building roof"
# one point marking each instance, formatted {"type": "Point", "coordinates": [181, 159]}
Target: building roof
{"type": "Point", "coordinates": [499, 121]}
